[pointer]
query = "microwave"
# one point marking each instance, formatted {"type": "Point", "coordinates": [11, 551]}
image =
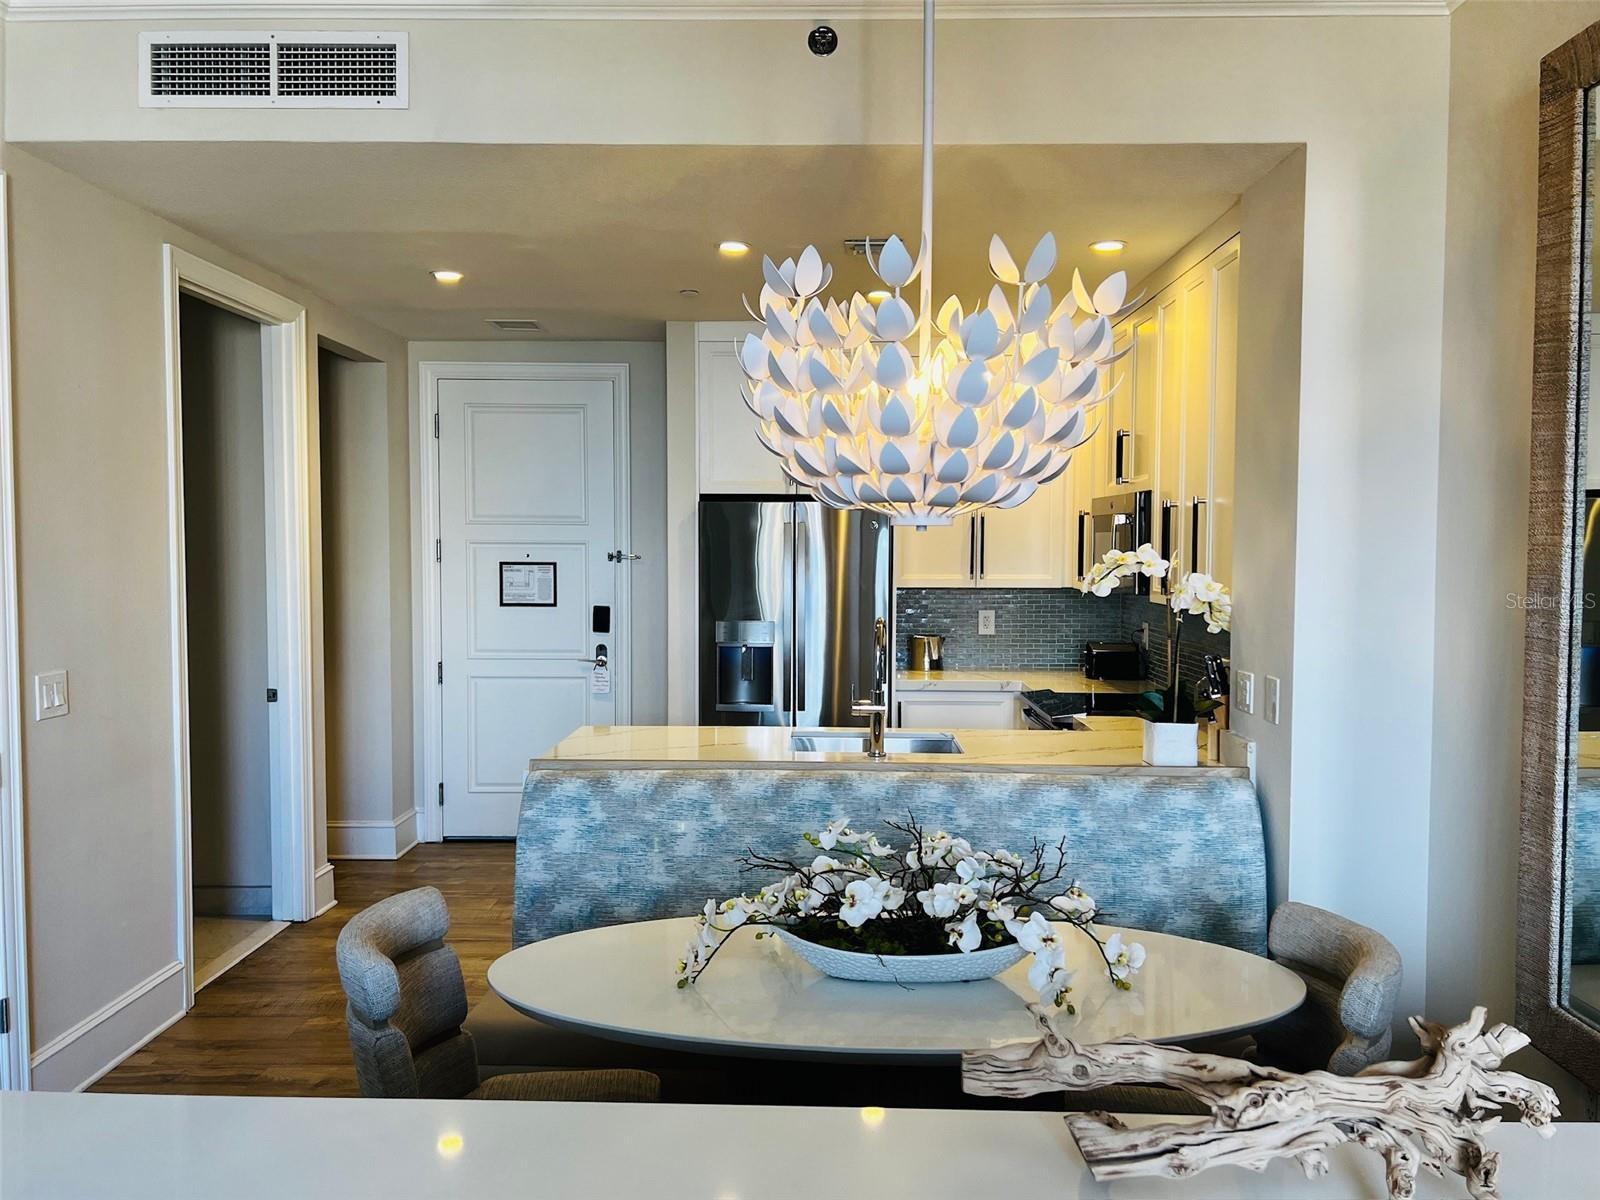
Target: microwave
{"type": "Point", "coordinates": [1120, 522]}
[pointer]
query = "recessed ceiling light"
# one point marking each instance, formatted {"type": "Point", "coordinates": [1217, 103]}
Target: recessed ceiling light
{"type": "Point", "coordinates": [733, 249]}
{"type": "Point", "coordinates": [878, 296]}
{"type": "Point", "coordinates": [1108, 246]}
{"type": "Point", "coordinates": [688, 291]}
{"type": "Point", "coordinates": [447, 276]}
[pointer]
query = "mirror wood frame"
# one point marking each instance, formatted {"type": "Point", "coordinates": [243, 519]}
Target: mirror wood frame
{"type": "Point", "coordinates": [1561, 331]}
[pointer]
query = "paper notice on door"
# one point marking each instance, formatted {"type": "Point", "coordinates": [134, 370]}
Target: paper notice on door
{"type": "Point", "coordinates": [527, 585]}
{"type": "Point", "coordinates": [600, 681]}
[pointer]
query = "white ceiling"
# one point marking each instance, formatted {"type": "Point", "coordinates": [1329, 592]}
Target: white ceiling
{"type": "Point", "coordinates": [597, 241]}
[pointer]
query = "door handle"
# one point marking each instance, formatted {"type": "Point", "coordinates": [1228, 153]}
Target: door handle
{"type": "Point", "coordinates": [598, 659]}
{"type": "Point", "coordinates": [1122, 465]}
{"type": "Point", "coordinates": [1195, 506]}
{"type": "Point", "coordinates": [802, 589]}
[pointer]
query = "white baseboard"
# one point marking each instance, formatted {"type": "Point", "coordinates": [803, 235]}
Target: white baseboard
{"type": "Point", "coordinates": [71, 1061]}
{"type": "Point", "coordinates": [322, 897]}
{"type": "Point", "coordinates": [373, 839]}
{"type": "Point", "coordinates": [216, 900]}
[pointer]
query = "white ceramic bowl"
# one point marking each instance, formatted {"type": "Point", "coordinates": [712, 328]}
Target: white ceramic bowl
{"type": "Point", "coordinates": [954, 967]}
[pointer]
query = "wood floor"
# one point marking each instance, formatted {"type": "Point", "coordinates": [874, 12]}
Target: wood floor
{"type": "Point", "coordinates": [274, 1024]}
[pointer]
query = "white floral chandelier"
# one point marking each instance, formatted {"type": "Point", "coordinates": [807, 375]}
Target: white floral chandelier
{"type": "Point", "coordinates": [981, 418]}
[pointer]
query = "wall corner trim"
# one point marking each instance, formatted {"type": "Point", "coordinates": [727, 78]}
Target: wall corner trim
{"type": "Point", "coordinates": [74, 1059]}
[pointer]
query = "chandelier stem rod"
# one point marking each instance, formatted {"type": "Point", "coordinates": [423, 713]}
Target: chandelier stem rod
{"type": "Point", "coordinates": [925, 339]}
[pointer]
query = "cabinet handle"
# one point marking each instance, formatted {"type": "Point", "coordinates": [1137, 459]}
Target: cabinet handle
{"type": "Point", "coordinates": [983, 546]}
{"type": "Point", "coordinates": [1195, 506]}
{"type": "Point", "coordinates": [1122, 468]}
{"type": "Point", "coordinates": [1166, 528]}
{"type": "Point", "coordinates": [972, 548]}
{"type": "Point", "coordinates": [1083, 515]}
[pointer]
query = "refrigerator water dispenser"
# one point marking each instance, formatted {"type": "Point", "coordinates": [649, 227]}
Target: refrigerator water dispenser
{"type": "Point", "coordinates": [745, 651]}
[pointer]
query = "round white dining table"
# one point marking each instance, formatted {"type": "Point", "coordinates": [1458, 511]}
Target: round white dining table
{"type": "Point", "coordinates": [757, 998]}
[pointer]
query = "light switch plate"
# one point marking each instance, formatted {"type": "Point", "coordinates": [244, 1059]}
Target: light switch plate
{"type": "Point", "coordinates": [985, 621]}
{"type": "Point", "coordinates": [1274, 687]}
{"type": "Point", "coordinates": [1244, 691]}
{"type": "Point", "coordinates": [50, 695]}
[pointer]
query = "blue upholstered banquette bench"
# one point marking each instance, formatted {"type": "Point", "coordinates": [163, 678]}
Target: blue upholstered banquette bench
{"type": "Point", "coordinates": [602, 845]}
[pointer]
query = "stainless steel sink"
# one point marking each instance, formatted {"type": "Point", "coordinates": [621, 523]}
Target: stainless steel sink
{"type": "Point", "coordinates": [833, 741]}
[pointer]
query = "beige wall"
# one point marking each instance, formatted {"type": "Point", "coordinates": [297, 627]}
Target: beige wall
{"type": "Point", "coordinates": [647, 433]}
{"type": "Point", "coordinates": [89, 385]}
{"type": "Point", "coordinates": [366, 576]}
{"type": "Point", "coordinates": [1271, 281]}
{"type": "Point", "coordinates": [226, 581]}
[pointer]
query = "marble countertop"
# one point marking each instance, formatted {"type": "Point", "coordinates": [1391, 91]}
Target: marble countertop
{"type": "Point", "coordinates": [1118, 748]}
{"type": "Point", "coordinates": [1013, 679]}
{"type": "Point", "coordinates": [264, 1148]}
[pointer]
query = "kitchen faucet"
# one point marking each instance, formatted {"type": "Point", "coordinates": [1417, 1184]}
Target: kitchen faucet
{"type": "Point", "coordinates": [877, 712]}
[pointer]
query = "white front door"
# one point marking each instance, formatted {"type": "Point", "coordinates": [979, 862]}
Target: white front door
{"type": "Point", "coordinates": [529, 508]}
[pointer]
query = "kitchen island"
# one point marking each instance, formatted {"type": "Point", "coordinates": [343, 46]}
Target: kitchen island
{"type": "Point", "coordinates": [1115, 747]}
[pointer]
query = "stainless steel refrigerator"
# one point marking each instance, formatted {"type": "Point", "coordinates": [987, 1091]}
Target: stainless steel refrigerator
{"type": "Point", "coordinates": [789, 591]}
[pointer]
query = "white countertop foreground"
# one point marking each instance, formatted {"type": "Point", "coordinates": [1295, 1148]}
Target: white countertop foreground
{"type": "Point", "coordinates": [77, 1146]}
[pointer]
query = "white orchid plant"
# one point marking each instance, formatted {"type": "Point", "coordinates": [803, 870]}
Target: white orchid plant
{"type": "Point", "coordinates": [940, 896]}
{"type": "Point", "coordinates": [1196, 595]}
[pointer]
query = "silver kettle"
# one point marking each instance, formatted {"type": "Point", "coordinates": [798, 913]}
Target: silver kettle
{"type": "Point", "coordinates": [925, 652]}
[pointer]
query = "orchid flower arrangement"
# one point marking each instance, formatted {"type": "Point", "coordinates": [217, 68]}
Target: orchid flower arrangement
{"type": "Point", "coordinates": [1196, 595]}
{"type": "Point", "coordinates": [939, 896]}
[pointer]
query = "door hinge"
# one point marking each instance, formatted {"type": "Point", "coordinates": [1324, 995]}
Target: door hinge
{"type": "Point", "coordinates": [436, 424]}
{"type": "Point", "coordinates": [5, 1015]}
{"type": "Point", "coordinates": [441, 670]}
{"type": "Point", "coordinates": [441, 793]}
{"type": "Point", "coordinates": [438, 550]}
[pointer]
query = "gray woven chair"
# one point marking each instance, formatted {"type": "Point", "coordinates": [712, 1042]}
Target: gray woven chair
{"type": "Point", "coordinates": [407, 1001]}
{"type": "Point", "coordinates": [1352, 976]}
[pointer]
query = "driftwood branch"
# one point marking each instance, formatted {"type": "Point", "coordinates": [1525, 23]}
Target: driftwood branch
{"type": "Point", "coordinates": [1430, 1113]}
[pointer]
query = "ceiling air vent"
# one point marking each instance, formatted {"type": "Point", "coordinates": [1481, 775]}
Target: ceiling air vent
{"type": "Point", "coordinates": [273, 70]}
{"type": "Point", "coordinates": [516, 324]}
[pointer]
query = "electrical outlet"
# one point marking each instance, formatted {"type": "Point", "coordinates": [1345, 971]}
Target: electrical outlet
{"type": "Point", "coordinates": [1244, 691]}
{"type": "Point", "coordinates": [50, 695]}
{"type": "Point", "coordinates": [1274, 687]}
{"type": "Point", "coordinates": [1144, 637]}
{"type": "Point", "coordinates": [985, 621]}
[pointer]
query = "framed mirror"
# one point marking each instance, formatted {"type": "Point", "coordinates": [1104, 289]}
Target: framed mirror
{"type": "Point", "coordinates": [1558, 918]}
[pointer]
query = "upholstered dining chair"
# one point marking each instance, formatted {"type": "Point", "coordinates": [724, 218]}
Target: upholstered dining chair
{"type": "Point", "coordinates": [1352, 976]}
{"type": "Point", "coordinates": [407, 1001]}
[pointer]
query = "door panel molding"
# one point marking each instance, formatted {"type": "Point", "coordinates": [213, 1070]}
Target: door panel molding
{"type": "Point", "coordinates": [426, 533]}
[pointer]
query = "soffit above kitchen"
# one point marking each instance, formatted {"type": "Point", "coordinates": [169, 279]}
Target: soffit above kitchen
{"type": "Point", "coordinates": [601, 241]}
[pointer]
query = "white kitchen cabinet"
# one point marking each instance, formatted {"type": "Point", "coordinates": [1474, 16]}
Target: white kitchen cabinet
{"type": "Point", "coordinates": [731, 460]}
{"type": "Point", "coordinates": [1182, 373]}
{"type": "Point", "coordinates": [1122, 448]}
{"type": "Point", "coordinates": [1026, 547]}
{"type": "Point", "coordinates": [1029, 546]}
{"type": "Point", "coordinates": [946, 708]}
{"type": "Point", "coordinates": [938, 556]}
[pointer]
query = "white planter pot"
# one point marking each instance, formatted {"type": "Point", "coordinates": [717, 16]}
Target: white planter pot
{"type": "Point", "coordinates": [905, 968]}
{"type": "Point", "coordinates": [1169, 745]}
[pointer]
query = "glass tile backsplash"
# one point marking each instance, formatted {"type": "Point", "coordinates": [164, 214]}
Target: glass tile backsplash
{"type": "Point", "coordinates": [1041, 627]}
